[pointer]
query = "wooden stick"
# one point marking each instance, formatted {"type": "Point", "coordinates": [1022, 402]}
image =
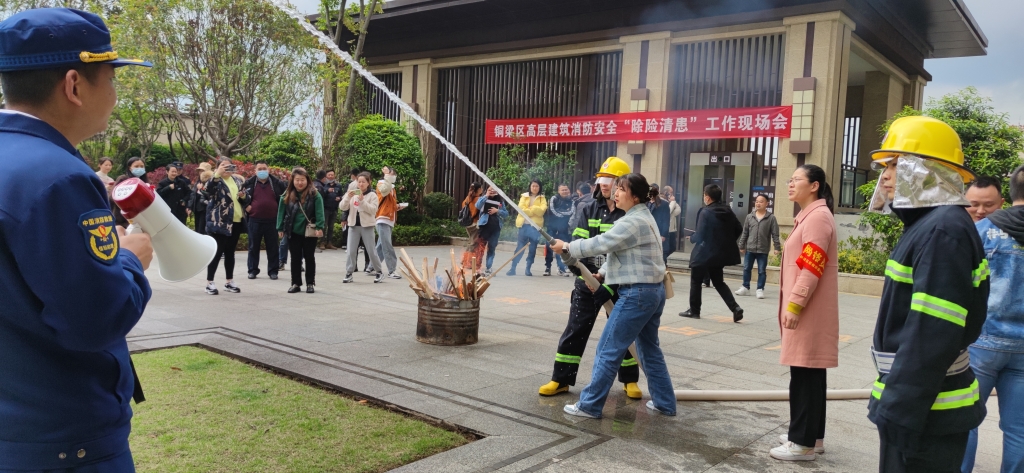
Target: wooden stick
{"type": "Point", "coordinates": [412, 273]}
{"type": "Point", "coordinates": [430, 282]}
{"type": "Point", "coordinates": [472, 275]}
{"type": "Point", "coordinates": [455, 267]}
{"type": "Point", "coordinates": [483, 288]}
{"type": "Point", "coordinates": [434, 271]}
{"type": "Point", "coordinates": [454, 290]}
{"type": "Point", "coordinates": [495, 273]}
{"type": "Point", "coordinates": [409, 266]}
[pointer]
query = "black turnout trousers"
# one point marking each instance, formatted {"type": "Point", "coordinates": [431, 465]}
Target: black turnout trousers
{"type": "Point", "coordinates": [937, 454]}
{"type": "Point", "coordinates": [583, 312]}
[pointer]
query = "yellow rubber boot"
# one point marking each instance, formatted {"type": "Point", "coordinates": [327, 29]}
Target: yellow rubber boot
{"type": "Point", "coordinates": [633, 391]}
{"type": "Point", "coordinates": [552, 388]}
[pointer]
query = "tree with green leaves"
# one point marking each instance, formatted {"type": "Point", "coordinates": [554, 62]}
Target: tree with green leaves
{"type": "Point", "coordinates": [375, 142]}
{"type": "Point", "coordinates": [991, 147]}
{"type": "Point", "coordinates": [515, 169]}
{"type": "Point", "coordinates": [230, 71]}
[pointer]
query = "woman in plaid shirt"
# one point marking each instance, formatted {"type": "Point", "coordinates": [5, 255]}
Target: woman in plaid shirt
{"type": "Point", "coordinates": [635, 263]}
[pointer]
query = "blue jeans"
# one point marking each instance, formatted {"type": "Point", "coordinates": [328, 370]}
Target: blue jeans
{"type": "Point", "coordinates": [492, 246]}
{"type": "Point", "coordinates": [549, 256]}
{"type": "Point", "coordinates": [762, 268]}
{"type": "Point", "coordinates": [527, 235]}
{"type": "Point", "coordinates": [636, 317]}
{"type": "Point", "coordinates": [1004, 371]}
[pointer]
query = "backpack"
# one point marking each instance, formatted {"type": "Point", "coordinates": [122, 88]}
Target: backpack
{"type": "Point", "coordinates": [465, 216]}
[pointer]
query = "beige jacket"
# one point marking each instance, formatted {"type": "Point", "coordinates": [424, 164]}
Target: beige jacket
{"type": "Point", "coordinates": [365, 204]}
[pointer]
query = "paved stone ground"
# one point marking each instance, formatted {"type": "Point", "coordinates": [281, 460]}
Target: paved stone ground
{"type": "Point", "coordinates": [360, 338]}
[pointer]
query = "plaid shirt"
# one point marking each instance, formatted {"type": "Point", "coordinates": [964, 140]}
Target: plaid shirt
{"type": "Point", "coordinates": [633, 247]}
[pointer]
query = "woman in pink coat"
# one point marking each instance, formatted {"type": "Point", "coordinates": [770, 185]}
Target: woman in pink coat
{"type": "Point", "coordinates": [809, 312]}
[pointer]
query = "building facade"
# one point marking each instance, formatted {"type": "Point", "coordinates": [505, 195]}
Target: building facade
{"type": "Point", "coordinates": [845, 66]}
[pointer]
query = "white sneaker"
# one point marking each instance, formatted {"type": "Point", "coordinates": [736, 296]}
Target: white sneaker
{"type": "Point", "coordinates": [790, 451]}
{"type": "Point", "coordinates": [742, 291]}
{"type": "Point", "coordinates": [819, 445]}
{"type": "Point", "coordinates": [394, 275]}
{"type": "Point", "coordinates": [574, 410]}
{"type": "Point", "coordinates": [760, 293]}
{"type": "Point", "coordinates": [650, 405]}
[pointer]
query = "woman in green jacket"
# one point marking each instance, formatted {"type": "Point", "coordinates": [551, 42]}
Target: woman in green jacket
{"type": "Point", "coordinates": [301, 205]}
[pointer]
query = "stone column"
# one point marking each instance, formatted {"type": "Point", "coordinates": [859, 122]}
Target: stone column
{"type": "Point", "coordinates": [883, 98]}
{"type": "Point", "coordinates": [645, 69]}
{"type": "Point", "coordinates": [817, 46]}
{"type": "Point", "coordinates": [419, 88]}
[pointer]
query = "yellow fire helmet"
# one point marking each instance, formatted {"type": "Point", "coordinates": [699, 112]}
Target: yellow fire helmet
{"type": "Point", "coordinates": [925, 137]}
{"type": "Point", "coordinates": [614, 168]}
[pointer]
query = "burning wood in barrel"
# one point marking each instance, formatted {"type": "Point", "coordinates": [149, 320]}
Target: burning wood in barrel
{"type": "Point", "coordinates": [464, 281]}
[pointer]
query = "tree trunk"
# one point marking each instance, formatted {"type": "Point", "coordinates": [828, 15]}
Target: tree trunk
{"type": "Point", "coordinates": [359, 51]}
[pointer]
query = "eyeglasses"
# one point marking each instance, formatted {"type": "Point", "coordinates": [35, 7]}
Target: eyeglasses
{"type": "Point", "coordinates": [792, 180]}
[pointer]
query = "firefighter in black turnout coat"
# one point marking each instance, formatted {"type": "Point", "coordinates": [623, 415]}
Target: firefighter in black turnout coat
{"type": "Point", "coordinates": [595, 218]}
{"type": "Point", "coordinates": [926, 399]}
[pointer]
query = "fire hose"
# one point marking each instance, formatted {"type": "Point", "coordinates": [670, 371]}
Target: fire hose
{"type": "Point", "coordinates": [585, 273]}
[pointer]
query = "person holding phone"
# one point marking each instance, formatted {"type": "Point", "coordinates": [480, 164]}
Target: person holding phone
{"type": "Point", "coordinates": [362, 205]}
{"type": "Point", "coordinates": [224, 221]}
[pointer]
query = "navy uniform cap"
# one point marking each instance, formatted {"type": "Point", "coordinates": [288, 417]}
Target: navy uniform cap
{"type": "Point", "coordinates": [48, 38]}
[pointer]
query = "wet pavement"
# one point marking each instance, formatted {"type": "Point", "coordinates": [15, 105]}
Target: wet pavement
{"type": "Point", "coordinates": [359, 338]}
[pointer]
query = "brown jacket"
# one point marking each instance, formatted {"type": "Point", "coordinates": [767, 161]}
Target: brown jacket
{"type": "Point", "coordinates": [810, 282]}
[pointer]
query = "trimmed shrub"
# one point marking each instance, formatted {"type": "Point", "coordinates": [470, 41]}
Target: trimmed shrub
{"type": "Point", "coordinates": [375, 142]}
{"type": "Point", "coordinates": [438, 205]}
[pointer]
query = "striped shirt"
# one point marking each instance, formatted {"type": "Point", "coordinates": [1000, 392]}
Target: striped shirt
{"type": "Point", "coordinates": [633, 246]}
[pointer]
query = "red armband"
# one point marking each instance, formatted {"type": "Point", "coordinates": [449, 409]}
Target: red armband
{"type": "Point", "coordinates": [813, 259]}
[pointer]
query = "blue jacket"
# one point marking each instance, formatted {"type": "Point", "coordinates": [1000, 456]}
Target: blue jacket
{"type": "Point", "coordinates": [662, 215]}
{"type": "Point", "coordinates": [484, 216]}
{"type": "Point", "coordinates": [1003, 236]}
{"type": "Point", "coordinates": [70, 296]}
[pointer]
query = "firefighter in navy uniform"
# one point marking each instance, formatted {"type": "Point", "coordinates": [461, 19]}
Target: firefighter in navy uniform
{"type": "Point", "coordinates": [71, 285]}
{"type": "Point", "coordinates": [595, 218]}
{"type": "Point", "coordinates": [926, 399]}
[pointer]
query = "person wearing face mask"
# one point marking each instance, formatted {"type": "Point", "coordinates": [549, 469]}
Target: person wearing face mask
{"type": "Point", "coordinates": [262, 194]}
{"type": "Point", "coordinates": [331, 192]}
{"type": "Point", "coordinates": [134, 168]}
{"type": "Point", "coordinates": [714, 248]}
{"type": "Point", "coordinates": [387, 215]}
{"type": "Point", "coordinates": [926, 399]}
{"type": "Point", "coordinates": [175, 189]}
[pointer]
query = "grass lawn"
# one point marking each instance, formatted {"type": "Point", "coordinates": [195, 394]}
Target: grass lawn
{"type": "Point", "coordinates": [208, 413]}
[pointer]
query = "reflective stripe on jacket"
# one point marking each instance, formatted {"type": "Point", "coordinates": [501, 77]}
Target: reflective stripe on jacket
{"type": "Point", "coordinates": [933, 307]}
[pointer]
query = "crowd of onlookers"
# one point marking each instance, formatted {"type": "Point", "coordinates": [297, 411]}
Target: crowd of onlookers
{"type": "Point", "coordinates": [288, 218]}
{"type": "Point", "coordinates": [482, 213]}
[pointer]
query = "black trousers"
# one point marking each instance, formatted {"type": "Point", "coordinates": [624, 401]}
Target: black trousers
{"type": "Point", "coordinates": [225, 248]}
{"type": "Point", "coordinates": [697, 276]}
{"type": "Point", "coordinates": [807, 391]}
{"type": "Point", "coordinates": [586, 305]}
{"type": "Point", "coordinates": [265, 232]}
{"type": "Point", "coordinates": [330, 216]}
{"type": "Point", "coordinates": [302, 248]}
{"type": "Point", "coordinates": [937, 454]}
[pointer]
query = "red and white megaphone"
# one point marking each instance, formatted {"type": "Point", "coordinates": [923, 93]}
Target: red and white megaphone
{"type": "Point", "coordinates": [182, 252]}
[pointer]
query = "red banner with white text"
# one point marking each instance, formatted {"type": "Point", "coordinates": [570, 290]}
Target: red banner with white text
{"type": "Point", "coordinates": [753, 122]}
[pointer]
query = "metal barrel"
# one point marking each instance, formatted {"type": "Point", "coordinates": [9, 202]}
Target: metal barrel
{"type": "Point", "coordinates": [448, 322]}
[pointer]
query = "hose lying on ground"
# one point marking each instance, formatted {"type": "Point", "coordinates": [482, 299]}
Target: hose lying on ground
{"type": "Point", "coordinates": [780, 395]}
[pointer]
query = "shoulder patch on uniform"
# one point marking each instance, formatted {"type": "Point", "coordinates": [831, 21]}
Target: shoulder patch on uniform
{"type": "Point", "coordinates": [100, 233]}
